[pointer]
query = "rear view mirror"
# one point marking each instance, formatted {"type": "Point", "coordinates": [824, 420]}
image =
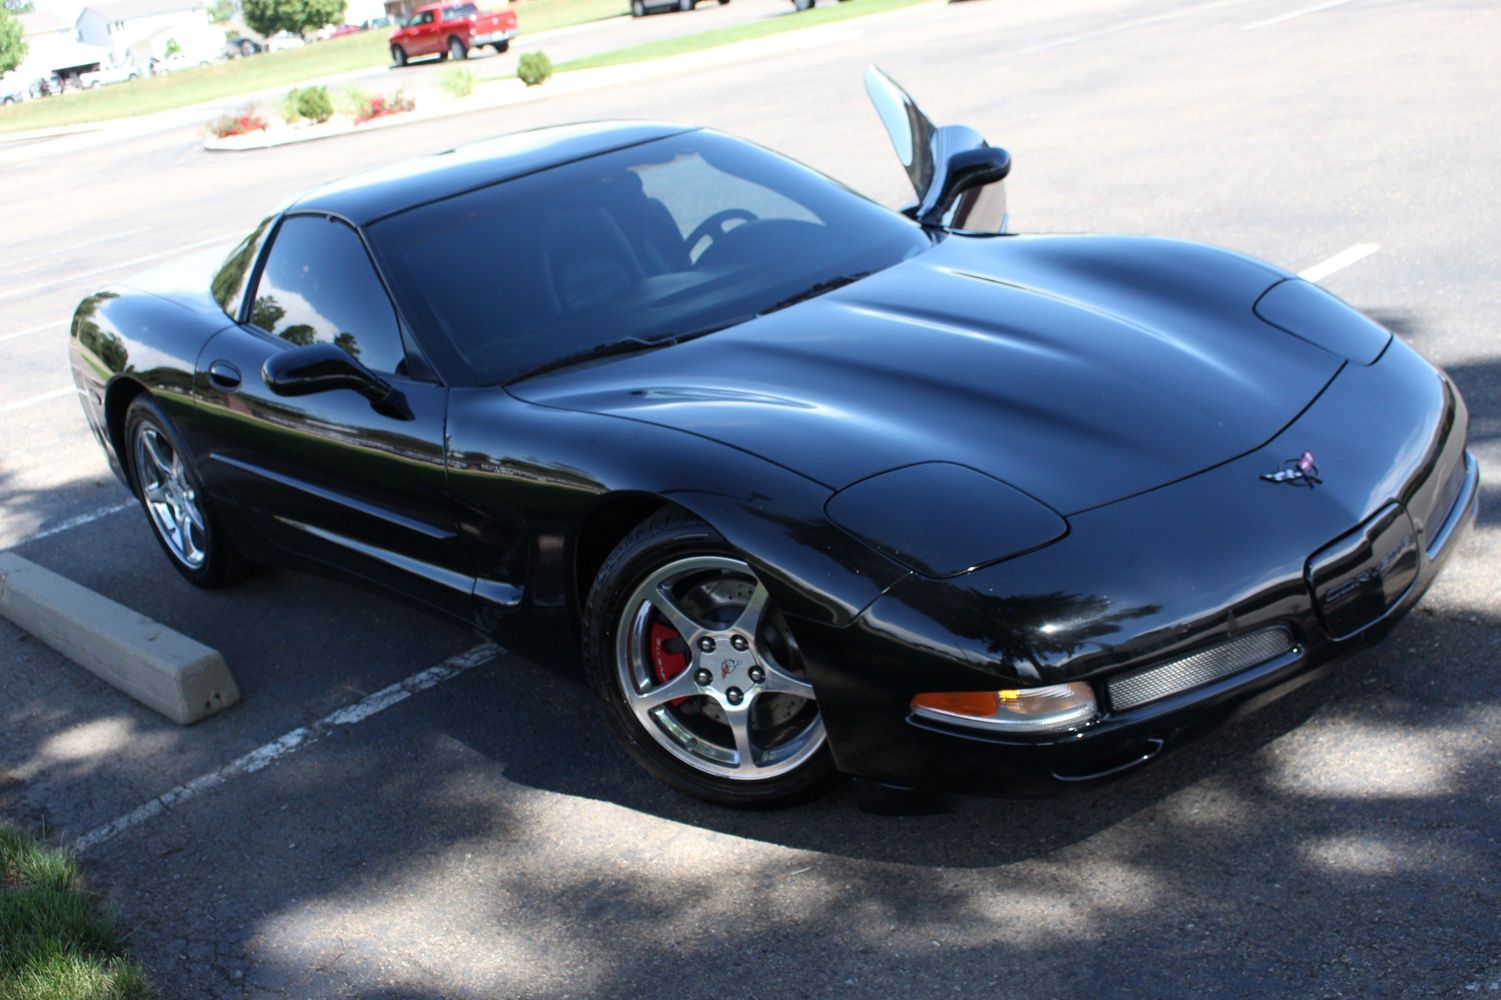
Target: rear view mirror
{"type": "Point", "coordinates": [302, 371]}
{"type": "Point", "coordinates": [958, 176]}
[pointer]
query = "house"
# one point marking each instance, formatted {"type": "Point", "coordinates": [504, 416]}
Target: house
{"type": "Point", "coordinates": [52, 46]}
{"type": "Point", "coordinates": [138, 31]}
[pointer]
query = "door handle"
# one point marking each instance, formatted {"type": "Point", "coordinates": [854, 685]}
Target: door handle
{"type": "Point", "coordinates": [223, 375]}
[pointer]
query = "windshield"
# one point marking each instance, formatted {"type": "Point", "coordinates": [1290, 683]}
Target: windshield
{"type": "Point", "coordinates": [658, 242]}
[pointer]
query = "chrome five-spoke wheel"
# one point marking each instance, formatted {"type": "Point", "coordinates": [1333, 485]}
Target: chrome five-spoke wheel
{"type": "Point", "coordinates": [168, 486]}
{"type": "Point", "coordinates": [170, 498]}
{"type": "Point", "coordinates": [699, 671]}
{"type": "Point", "coordinates": [710, 671]}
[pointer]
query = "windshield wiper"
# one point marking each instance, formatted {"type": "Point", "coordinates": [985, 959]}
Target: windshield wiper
{"type": "Point", "coordinates": [626, 346]}
{"type": "Point", "coordinates": [813, 291]}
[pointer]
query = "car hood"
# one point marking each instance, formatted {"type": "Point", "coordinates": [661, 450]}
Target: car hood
{"type": "Point", "coordinates": [1078, 369]}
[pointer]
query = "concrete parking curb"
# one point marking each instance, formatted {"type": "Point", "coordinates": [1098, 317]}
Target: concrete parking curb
{"type": "Point", "coordinates": [162, 669]}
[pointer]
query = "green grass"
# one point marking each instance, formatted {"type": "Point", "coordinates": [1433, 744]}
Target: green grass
{"type": "Point", "coordinates": [239, 77]}
{"type": "Point", "coordinates": [207, 83]}
{"type": "Point", "coordinates": [533, 16]}
{"type": "Point", "coordinates": [825, 13]}
{"type": "Point", "coordinates": [54, 942]}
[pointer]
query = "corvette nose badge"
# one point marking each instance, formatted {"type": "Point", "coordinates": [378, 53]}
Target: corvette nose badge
{"type": "Point", "coordinates": [1300, 471]}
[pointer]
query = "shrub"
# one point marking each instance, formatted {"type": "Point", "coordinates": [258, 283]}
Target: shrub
{"type": "Point", "coordinates": [458, 81]}
{"type": "Point", "coordinates": [379, 106]}
{"type": "Point", "coordinates": [314, 104]}
{"type": "Point", "coordinates": [287, 107]}
{"type": "Point", "coordinates": [351, 101]}
{"type": "Point", "coordinates": [246, 121]}
{"type": "Point", "coordinates": [534, 68]}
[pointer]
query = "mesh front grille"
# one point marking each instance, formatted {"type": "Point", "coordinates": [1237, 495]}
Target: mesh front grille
{"type": "Point", "coordinates": [1142, 686]}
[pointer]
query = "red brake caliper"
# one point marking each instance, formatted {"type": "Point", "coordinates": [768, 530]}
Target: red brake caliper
{"type": "Point", "coordinates": [669, 654]}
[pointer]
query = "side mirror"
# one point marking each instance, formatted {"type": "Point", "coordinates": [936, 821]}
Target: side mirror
{"type": "Point", "coordinates": [957, 175]}
{"type": "Point", "coordinates": [315, 368]}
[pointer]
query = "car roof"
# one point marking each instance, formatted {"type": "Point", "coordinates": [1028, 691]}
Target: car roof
{"type": "Point", "coordinates": [366, 197]}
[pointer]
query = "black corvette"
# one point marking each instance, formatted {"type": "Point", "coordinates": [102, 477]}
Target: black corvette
{"type": "Point", "coordinates": [816, 486]}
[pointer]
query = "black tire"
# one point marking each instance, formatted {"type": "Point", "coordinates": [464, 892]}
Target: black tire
{"type": "Point", "coordinates": [688, 727]}
{"type": "Point", "coordinates": [638, 8]}
{"type": "Point", "coordinates": [398, 55]}
{"type": "Point", "coordinates": [170, 491]}
{"type": "Point", "coordinates": [502, 46]}
{"type": "Point", "coordinates": [457, 50]}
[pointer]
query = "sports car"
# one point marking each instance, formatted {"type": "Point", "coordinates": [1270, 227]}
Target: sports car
{"type": "Point", "coordinates": [814, 487]}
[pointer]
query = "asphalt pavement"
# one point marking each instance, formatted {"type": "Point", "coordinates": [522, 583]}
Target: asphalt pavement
{"type": "Point", "coordinates": [483, 837]}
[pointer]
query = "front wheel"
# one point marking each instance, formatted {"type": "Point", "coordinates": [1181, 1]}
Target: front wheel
{"type": "Point", "coordinates": [169, 488]}
{"type": "Point", "coordinates": [457, 50]}
{"type": "Point", "coordinates": [700, 675]}
{"type": "Point", "coordinates": [398, 55]}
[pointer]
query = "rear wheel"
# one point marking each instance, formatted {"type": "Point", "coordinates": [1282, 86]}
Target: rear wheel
{"type": "Point", "coordinates": [170, 490]}
{"type": "Point", "coordinates": [700, 674]}
{"type": "Point", "coordinates": [502, 46]}
{"type": "Point", "coordinates": [398, 55]}
{"type": "Point", "coordinates": [456, 48]}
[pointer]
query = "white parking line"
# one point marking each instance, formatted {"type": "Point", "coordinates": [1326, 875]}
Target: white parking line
{"type": "Point", "coordinates": [43, 286]}
{"type": "Point", "coordinates": [72, 245]}
{"type": "Point", "coordinates": [30, 330]}
{"type": "Point", "coordinates": [1292, 14]}
{"type": "Point", "coordinates": [1339, 261]}
{"type": "Point", "coordinates": [78, 522]}
{"type": "Point", "coordinates": [1128, 25]}
{"type": "Point", "coordinates": [21, 404]}
{"type": "Point", "coordinates": [303, 736]}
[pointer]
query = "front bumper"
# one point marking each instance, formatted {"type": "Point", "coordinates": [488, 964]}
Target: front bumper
{"type": "Point", "coordinates": [1159, 576]}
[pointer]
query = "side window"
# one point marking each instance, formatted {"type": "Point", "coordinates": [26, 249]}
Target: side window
{"type": "Point", "coordinates": [229, 283]}
{"type": "Point", "coordinates": [319, 287]}
{"type": "Point", "coordinates": [426, 17]}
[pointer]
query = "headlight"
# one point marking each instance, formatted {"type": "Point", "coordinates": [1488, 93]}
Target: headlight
{"type": "Point", "coordinates": [1011, 710]}
{"type": "Point", "coordinates": [942, 519]}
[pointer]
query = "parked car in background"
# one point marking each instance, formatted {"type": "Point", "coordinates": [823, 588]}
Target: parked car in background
{"type": "Point", "coordinates": [239, 46]}
{"type": "Point", "coordinates": [376, 22]}
{"type": "Point", "coordinates": [112, 74]}
{"type": "Point", "coordinates": [11, 92]}
{"type": "Point", "coordinates": [346, 29]}
{"type": "Point", "coordinates": [178, 62]}
{"type": "Point", "coordinates": [45, 86]}
{"type": "Point", "coordinates": [640, 8]}
{"type": "Point", "coordinates": [283, 40]}
{"type": "Point", "coordinates": [451, 31]}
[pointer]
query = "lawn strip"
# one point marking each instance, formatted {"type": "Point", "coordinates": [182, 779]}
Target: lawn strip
{"type": "Point", "coordinates": [55, 943]}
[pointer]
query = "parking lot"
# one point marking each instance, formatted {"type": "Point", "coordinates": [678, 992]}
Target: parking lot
{"type": "Point", "coordinates": [484, 837]}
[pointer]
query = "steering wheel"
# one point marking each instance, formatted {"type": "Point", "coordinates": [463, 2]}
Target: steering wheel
{"type": "Point", "coordinates": [712, 228]}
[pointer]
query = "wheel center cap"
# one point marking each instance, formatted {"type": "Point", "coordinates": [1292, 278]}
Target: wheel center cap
{"type": "Point", "coordinates": [727, 666]}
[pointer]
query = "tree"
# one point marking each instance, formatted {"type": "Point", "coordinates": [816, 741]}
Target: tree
{"type": "Point", "coordinates": [270, 16]}
{"type": "Point", "coordinates": [12, 45]}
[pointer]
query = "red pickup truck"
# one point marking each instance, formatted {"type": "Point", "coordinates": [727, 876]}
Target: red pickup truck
{"type": "Point", "coordinates": [449, 30]}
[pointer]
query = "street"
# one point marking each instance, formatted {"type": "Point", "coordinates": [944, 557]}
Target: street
{"type": "Point", "coordinates": [485, 837]}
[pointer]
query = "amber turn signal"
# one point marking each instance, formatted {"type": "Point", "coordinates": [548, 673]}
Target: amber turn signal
{"type": "Point", "coordinates": [1017, 710]}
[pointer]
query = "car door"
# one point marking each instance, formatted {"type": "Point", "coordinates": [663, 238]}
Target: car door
{"type": "Point", "coordinates": [425, 34]}
{"type": "Point", "coordinates": [330, 475]}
